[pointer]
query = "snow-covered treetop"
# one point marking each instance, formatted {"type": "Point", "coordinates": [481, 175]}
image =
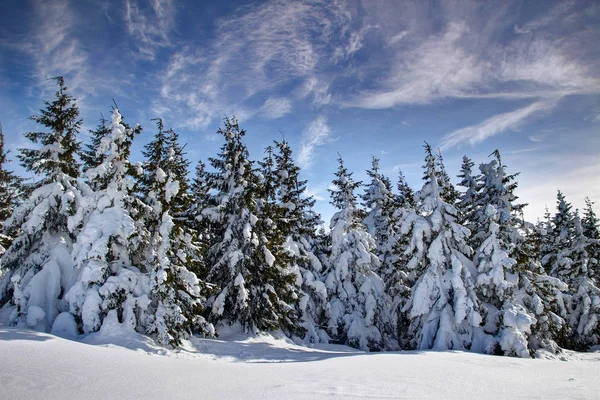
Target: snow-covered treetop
{"type": "Point", "coordinates": [59, 146]}
{"type": "Point", "coordinates": [342, 196]}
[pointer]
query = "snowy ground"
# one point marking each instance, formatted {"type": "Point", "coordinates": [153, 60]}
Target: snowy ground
{"type": "Point", "coordinates": [124, 365]}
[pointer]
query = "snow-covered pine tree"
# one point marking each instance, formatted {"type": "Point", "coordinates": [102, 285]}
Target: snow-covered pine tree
{"type": "Point", "coordinates": [10, 196]}
{"type": "Point", "coordinates": [383, 211]}
{"type": "Point", "coordinates": [468, 199]}
{"type": "Point", "coordinates": [560, 238]}
{"type": "Point", "coordinates": [297, 223]}
{"type": "Point", "coordinates": [38, 262]}
{"type": "Point", "coordinates": [88, 155]}
{"type": "Point", "coordinates": [254, 288]}
{"type": "Point", "coordinates": [378, 201]}
{"type": "Point", "coordinates": [353, 286]}
{"type": "Point", "coordinates": [447, 190]}
{"type": "Point", "coordinates": [200, 199]}
{"type": "Point", "coordinates": [443, 307]}
{"type": "Point", "coordinates": [112, 284]}
{"type": "Point", "coordinates": [505, 319]}
{"type": "Point", "coordinates": [591, 230]}
{"type": "Point", "coordinates": [584, 302]}
{"type": "Point", "coordinates": [176, 294]}
{"type": "Point", "coordinates": [406, 196]}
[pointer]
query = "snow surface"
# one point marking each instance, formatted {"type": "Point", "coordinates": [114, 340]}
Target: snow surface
{"type": "Point", "coordinates": [122, 364]}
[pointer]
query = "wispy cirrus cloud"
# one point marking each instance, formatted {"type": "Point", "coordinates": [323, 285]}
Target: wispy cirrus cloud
{"type": "Point", "coordinates": [497, 124]}
{"type": "Point", "coordinates": [150, 25]}
{"type": "Point", "coordinates": [276, 45]}
{"type": "Point", "coordinates": [275, 107]}
{"type": "Point", "coordinates": [55, 49]}
{"type": "Point", "coordinates": [317, 133]}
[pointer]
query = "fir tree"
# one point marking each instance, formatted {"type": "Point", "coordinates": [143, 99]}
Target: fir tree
{"type": "Point", "coordinates": [443, 307]}
{"type": "Point", "coordinates": [448, 192]}
{"type": "Point", "coordinates": [406, 196]}
{"type": "Point", "coordinates": [176, 294]}
{"type": "Point", "coordinates": [560, 239]}
{"type": "Point", "coordinates": [353, 286]}
{"type": "Point", "coordinates": [591, 230]}
{"type": "Point", "coordinates": [112, 282]}
{"type": "Point", "coordinates": [584, 309]}
{"type": "Point", "coordinates": [88, 155]}
{"type": "Point", "coordinates": [37, 263]}
{"type": "Point", "coordinates": [10, 195]}
{"type": "Point", "coordinates": [255, 289]}
{"type": "Point", "coordinates": [297, 223]}
{"type": "Point", "coordinates": [468, 199]}
{"type": "Point", "coordinates": [378, 200]}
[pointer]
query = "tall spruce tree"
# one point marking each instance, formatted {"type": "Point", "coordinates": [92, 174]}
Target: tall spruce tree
{"type": "Point", "coordinates": [38, 262]}
{"type": "Point", "coordinates": [112, 282]}
{"type": "Point", "coordinates": [560, 239]}
{"type": "Point", "coordinates": [353, 286]}
{"type": "Point", "coordinates": [297, 223]}
{"type": "Point", "coordinates": [468, 199]}
{"type": "Point", "coordinates": [443, 309]}
{"type": "Point", "coordinates": [591, 230]}
{"type": "Point", "coordinates": [448, 192]}
{"type": "Point", "coordinates": [254, 288]}
{"type": "Point", "coordinates": [10, 195]}
{"type": "Point", "coordinates": [176, 294]}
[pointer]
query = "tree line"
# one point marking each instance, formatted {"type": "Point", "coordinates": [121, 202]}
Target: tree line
{"type": "Point", "coordinates": [99, 240]}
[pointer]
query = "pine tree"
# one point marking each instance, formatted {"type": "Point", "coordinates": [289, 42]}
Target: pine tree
{"type": "Point", "coordinates": [176, 294]}
{"type": "Point", "coordinates": [378, 200]}
{"type": "Point", "coordinates": [10, 196]}
{"type": "Point", "coordinates": [38, 262]}
{"type": "Point", "coordinates": [584, 309]}
{"type": "Point", "coordinates": [111, 283]}
{"type": "Point", "coordinates": [448, 192]}
{"type": "Point", "coordinates": [297, 223]}
{"type": "Point", "coordinates": [561, 239]}
{"type": "Point", "coordinates": [443, 307]}
{"type": "Point", "coordinates": [591, 230]}
{"type": "Point", "coordinates": [353, 286]}
{"type": "Point", "coordinates": [88, 155]}
{"type": "Point", "coordinates": [254, 288]}
{"type": "Point", "coordinates": [468, 199]}
{"type": "Point", "coordinates": [406, 196]}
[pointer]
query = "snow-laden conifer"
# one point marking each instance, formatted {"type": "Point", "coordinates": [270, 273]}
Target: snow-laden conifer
{"type": "Point", "coordinates": [111, 236]}
{"type": "Point", "coordinates": [353, 286]}
{"type": "Point", "coordinates": [254, 288]}
{"type": "Point", "coordinates": [176, 294]}
{"type": "Point", "coordinates": [38, 264]}
{"type": "Point", "coordinates": [443, 307]}
{"type": "Point", "coordinates": [591, 230]}
{"type": "Point", "coordinates": [297, 223]}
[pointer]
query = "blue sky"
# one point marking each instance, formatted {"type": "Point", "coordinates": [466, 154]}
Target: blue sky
{"type": "Point", "coordinates": [360, 78]}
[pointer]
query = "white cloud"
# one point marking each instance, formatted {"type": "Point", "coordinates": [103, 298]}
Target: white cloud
{"type": "Point", "coordinates": [55, 50]}
{"type": "Point", "coordinates": [317, 133]}
{"type": "Point", "coordinates": [150, 28]}
{"type": "Point", "coordinates": [276, 107]}
{"type": "Point", "coordinates": [275, 45]}
{"type": "Point", "coordinates": [497, 124]}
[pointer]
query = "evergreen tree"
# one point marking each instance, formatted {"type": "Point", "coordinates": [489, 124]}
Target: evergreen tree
{"type": "Point", "coordinates": [10, 195]}
{"type": "Point", "coordinates": [254, 287]}
{"type": "Point", "coordinates": [584, 309]}
{"type": "Point", "coordinates": [443, 308]}
{"type": "Point", "coordinates": [406, 196]}
{"type": "Point", "coordinates": [378, 200]}
{"type": "Point", "coordinates": [297, 224]}
{"type": "Point", "coordinates": [176, 294]}
{"type": "Point", "coordinates": [88, 154]}
{"type": "Point", "coordinates": [353, 286]}
{"type": "Point", "coordinates": [111, 282]}
{"type": "Point", "coordinates": [38, 262]}
{"type": "Point", "coordinates": [200, 199]}
{"type": "Point", "coordinates": [448, 192]}
{"type": "Point", "coordinates": [561, 239]}
{"type": "Point", "coordinates": [591, 230]}
{"type": "Point", "coordinates": [467, 201]}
